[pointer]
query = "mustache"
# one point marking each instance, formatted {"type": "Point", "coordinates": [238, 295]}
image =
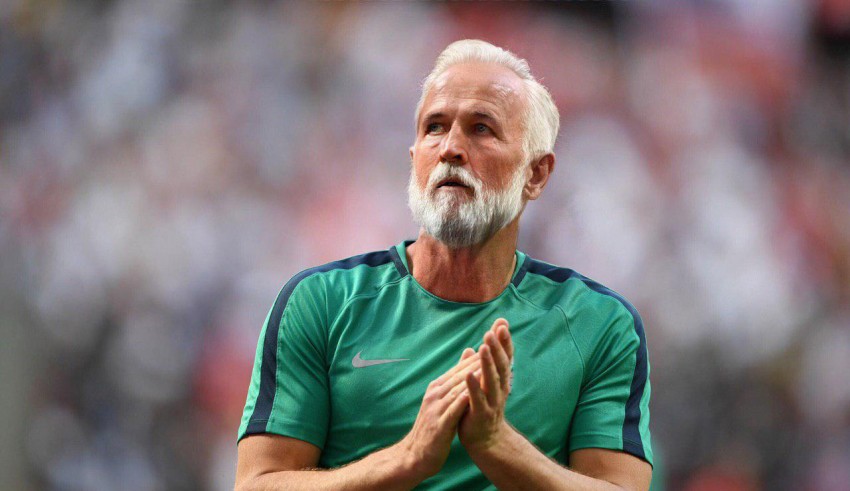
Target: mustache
{"type": "Point", "coordinates": [445, 171]}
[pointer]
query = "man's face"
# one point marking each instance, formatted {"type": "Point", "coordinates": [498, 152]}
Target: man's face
{"type": "Point", "coordinates": [468, 162]}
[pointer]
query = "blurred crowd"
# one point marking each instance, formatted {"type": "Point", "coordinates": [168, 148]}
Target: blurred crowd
{"type": "Point", "coordinates": [165, 166]}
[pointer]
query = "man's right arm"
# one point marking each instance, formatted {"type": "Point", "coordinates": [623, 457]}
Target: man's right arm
{"type": "Point", "coordinates": [276, 462]}
{"type": "Point", "coordinates": [279, 462]}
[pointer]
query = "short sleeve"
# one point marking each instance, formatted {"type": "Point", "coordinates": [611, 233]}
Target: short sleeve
{"type": "Point", "coordinates": [613, 405]}
{"type": "Point", "coordinates": [288, 394]}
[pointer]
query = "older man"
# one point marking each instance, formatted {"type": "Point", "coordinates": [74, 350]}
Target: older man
{"type": "Point", "coordinates": [369, 368]}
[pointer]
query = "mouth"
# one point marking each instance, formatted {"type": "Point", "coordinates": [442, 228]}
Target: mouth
{"type": "Point", "coordinates": [451, 183]}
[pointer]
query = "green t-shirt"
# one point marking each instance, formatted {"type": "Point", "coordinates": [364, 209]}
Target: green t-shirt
{"type": "Point", "coordinates": [581, 372]}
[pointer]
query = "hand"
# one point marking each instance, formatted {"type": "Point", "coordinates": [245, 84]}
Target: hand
{"type": "Point", "coordinates": [484, 423]}
{"type": "Point", "coordinates": [426, 447]}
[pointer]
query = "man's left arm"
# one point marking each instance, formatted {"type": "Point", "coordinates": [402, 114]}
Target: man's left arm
{"type": "Point", "coordinates": [509, 460]}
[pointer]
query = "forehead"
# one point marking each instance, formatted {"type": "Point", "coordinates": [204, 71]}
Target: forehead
{"type": "Point", "coordinates": [470, 85]}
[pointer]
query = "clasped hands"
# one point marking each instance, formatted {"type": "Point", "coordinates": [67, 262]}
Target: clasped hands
{"type": "Point", "coordinates": [468, 400]}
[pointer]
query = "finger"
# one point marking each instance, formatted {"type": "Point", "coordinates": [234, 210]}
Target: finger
{"type": "Point", "coordinates": [452, 394]}
{"type": "Point", "coordinates": [461, 365]}
{"type": "Point", "coordinates": [501, 328]}
{"type": "Point", "coordinates": [457, 378]}
{"type": "Point", "coordinates": [467, 353]}
{"type": "Point", "coordinates": [497, 324]}
{"type": "Point", "coordinates": [477, 399]}
{"type": "Point", "coordinates": [505, 339]}
{"type": "Point", "coordinates": [455, 410]}
{"type": "Point", "coordinates": [502, 362]}
{"type": "Point", "coordinates": [460, 373]}
{"type": "Point", "coordinates": [491, 375]}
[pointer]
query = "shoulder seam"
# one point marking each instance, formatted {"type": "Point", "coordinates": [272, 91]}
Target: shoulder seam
{"type": "Point", "coordinates": [358, 260]}
{"type": "Point", "coordinates": [526, 299]}
{"type": "Point", "coordinates": [361, 295]}
{"type": "Point", "coordinates": [575, 343]}
{"type": "Point", "coordinates": [586, 283]}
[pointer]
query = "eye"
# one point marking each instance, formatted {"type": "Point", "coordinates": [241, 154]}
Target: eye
{"type": "Point", "coordinates": [481, 128]}
{"type": "Point", "coordinates": [434, 128]}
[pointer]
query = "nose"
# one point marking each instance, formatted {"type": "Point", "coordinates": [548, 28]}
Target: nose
{"type": "Point", "coordinates": [453, 147]}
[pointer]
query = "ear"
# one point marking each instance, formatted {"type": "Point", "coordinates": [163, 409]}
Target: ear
{"type": "Point", "coordinates": [411, 153]}
{"type": "Point", "coordinates": [540, 169]}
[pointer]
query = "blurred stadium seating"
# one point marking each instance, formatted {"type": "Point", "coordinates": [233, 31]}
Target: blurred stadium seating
{"type": "Point", "coordinates": [165, 166]}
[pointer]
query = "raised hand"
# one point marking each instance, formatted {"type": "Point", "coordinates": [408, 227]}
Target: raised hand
{"type": "Point", "coordinates": [426, 446]}
{"type": "Point", "coordinates": [484, 422]}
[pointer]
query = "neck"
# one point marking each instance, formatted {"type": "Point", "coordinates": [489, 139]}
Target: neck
{"type": "Point", "coordinates": [470, 274]}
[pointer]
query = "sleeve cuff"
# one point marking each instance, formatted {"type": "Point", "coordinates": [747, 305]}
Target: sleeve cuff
{"type": "Point", "coordinates": [298, 430]}
{"type": "Point", "coordinates": [610, 442]}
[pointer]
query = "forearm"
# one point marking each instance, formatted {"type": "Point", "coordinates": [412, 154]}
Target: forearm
{"type": "Point", "coordinates": [386, 469]}
{"type": "Point", "coordinates": [512, 462]}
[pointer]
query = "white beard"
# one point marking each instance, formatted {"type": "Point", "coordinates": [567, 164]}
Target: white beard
{"type": "Point", "coordinates": [458, 221]}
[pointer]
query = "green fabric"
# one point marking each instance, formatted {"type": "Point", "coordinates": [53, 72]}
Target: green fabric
{"type": "Point", "coordinates": [574, 363]}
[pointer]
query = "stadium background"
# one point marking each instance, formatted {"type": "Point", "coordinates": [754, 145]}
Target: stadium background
{"type": "Point", "coordinates": [166, 165]}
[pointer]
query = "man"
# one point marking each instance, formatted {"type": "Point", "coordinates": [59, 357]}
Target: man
{"type": "Point", "coordinates": [369, 368]}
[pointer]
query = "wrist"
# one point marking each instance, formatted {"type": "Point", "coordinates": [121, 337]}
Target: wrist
{"type": "Point", "coordinates": [499, 441]}
{"type": "Point", "coordinates": [410, 464]}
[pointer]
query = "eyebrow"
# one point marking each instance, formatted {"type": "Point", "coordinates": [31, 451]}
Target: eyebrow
{"type": "Point", "coordinates": [430, 116]}
{"type": "Point", "coordinates": [484, 115]}
{"type": "Point", "coordinates": [478, 114]}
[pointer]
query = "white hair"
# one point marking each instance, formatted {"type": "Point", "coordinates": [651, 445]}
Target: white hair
{"type": "Point", "coordinates": [459, 223]}
{"type": "Point", "coordinates": [541, 119]}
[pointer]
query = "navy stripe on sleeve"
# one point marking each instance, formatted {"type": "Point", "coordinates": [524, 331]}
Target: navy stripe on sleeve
{"type": "Point", "coordinates": [632, 441]}
{"type": "Point", "coordinates": [268, 369]}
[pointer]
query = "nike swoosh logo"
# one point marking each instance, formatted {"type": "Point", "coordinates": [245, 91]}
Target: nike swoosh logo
{"type": "Point", "coordinates": [358, 362]}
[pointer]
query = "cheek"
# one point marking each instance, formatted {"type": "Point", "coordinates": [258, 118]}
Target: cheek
{"type": "Point", "coordinates": [502, 169]}
{"type": "Point", "coordinates": [423, 162]}
{"type": "Point", "coordinates": [422, 178]}
{"type": "Point", "coordinates": [421, 173]}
